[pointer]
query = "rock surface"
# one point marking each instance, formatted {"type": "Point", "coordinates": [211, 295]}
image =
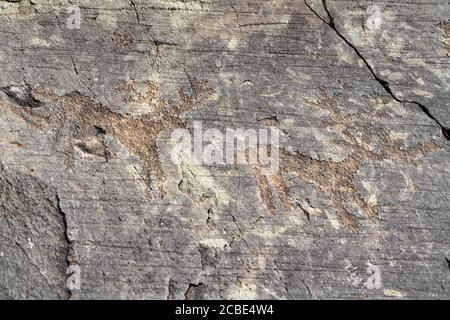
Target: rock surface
{"type": "Point", "coordinates": [93, 207]}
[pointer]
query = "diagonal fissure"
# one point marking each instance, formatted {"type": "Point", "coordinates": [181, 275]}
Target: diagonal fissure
{"type": "Point", "coordinates": [383, 83]}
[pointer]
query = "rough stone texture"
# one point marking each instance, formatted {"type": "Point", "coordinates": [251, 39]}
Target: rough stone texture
{"type": "Point", "coordinates": [87, 181]}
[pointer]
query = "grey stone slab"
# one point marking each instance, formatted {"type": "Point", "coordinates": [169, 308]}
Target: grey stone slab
{"type": "Point", "coordinates": [93, 207]}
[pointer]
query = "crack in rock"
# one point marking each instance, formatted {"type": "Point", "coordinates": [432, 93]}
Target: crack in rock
{"type": "Point", "coordinates": [73, 268]}
{"type": "Point", "coordinates": [383, 83]}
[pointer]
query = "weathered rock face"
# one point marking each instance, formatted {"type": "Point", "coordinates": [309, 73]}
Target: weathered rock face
{"type": "Point", "coordinates": [92, 205]}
